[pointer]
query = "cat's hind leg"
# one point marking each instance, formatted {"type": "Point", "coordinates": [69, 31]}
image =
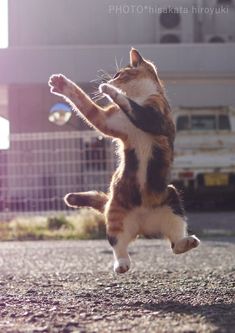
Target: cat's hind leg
{"type": "Point", "coordinates": [119, 243]}
{"type": "Point", "coordinates": [175, 226]}
{"type": "Point", "coordinates": [120, 232]}
{"type": "Point", "coordinates": [175, 229]}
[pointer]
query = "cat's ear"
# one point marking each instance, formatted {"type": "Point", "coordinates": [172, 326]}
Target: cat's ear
{"type": "Point", "coordinates": [135, 58]}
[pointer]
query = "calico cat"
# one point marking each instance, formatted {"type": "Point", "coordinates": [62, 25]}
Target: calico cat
{"type": "Point", "coordinates": [140, 200]}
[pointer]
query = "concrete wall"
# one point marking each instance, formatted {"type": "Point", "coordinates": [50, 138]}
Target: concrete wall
{"type": "Point", "coordinates": [201, 93]}
{"type": "Point", "coordinates": [79, 37]}
{"type": "Point", "coordinates": [29, 106]}
{"type": "Point", "coordinates": [87, 22]}
{"type": "Point", "coordinates": [81, 63]}
{"type": "Point", "coordinates": [195, 75]}
{"type": "Point", "coordinates": [53, 22]}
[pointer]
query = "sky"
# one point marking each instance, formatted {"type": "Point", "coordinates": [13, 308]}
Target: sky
{"type": "Point", "coordinates": [3, 23]}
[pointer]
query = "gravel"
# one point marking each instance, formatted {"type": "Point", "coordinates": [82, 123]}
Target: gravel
{"type": "Point", "coordinates": [69, 286]}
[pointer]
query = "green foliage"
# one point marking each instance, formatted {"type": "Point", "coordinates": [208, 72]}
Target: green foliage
{"type": "Point", "coordinates": [89, 224]}
{"type": "Point", "coordinates": [57, 222]}
{"type": "Point", "coordinates": [86, 224]}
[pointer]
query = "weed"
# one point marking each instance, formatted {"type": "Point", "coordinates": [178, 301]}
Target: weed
{"type": "Point", "coordinates": [86, 224]}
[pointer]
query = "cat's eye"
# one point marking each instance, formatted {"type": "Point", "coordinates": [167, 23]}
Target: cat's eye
{"type": "Point", "coordinates": [116, 75]}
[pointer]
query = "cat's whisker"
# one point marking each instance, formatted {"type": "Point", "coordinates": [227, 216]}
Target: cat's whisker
{"type": "Point", "coordinates": [116, 63]}
{"type": "Point", "coordinates": [120, 63]}
{"type": "Point", "coordinates": [97, 96]}
{"type": "Point", "coordinates": [95, 80]}
{"type": "Point", "coordinates": [101, 77]}
{"type": "Point", "coordinates": [104, 74]}
{"type": "Point", "coordinates": [96, 92]}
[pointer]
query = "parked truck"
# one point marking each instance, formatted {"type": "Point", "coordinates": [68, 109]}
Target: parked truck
{"type": "Point", "coordinates": [204, 162]}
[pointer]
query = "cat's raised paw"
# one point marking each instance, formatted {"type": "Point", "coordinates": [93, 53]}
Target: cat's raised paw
{"type": "Point", "coordinates": [108, 90]}
{"type": "Point", "coordinates": [122, 265]}
{"type": "Point", "coordinates": [57, 82]}
{"type": "Point", "coordinates": [186, 244]}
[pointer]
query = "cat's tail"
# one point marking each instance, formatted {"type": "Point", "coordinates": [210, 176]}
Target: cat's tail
{"type": "Point", "coordinates": [94, 199]}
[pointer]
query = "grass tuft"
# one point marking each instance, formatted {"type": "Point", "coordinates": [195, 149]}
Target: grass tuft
{"type": "Point", "coordinates": [86, 224]}
{"type": "Point", "coordinates": [58, 222]}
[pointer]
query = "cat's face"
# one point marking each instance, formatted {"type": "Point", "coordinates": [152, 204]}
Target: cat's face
{"type": "Point", "coordinates": [138, 80]}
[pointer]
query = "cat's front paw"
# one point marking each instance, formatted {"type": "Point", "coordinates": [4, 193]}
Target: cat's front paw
{"type": "Point", "coordinates": [57, 82]}
{"type": "Point", "coordinates": [122, 265]}
{"type": "Point", "coordinates": [109, 90]}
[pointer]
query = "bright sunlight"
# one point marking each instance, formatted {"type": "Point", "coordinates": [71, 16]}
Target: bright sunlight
{"type": "Point", "coordinates": [3, 23]}
{"type": "Point", "coordinates": [4, 123]}
{"type": "Point", "coordinates": [5, 133]}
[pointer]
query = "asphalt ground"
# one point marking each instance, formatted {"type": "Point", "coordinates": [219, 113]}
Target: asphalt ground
{"type": "Point", "coordinates": [69, 286]}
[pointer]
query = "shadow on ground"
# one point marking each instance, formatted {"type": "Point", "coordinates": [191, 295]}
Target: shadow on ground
{"type": "Point", "coordinates": [218, 314]}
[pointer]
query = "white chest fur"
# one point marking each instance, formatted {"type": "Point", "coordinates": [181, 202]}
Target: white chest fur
{"type": "Point", "coordinates": [141, 89]}
{"type": "Point", "coordinates": [142, 143]}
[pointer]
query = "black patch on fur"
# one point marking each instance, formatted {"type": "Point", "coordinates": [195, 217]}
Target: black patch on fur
{"type": "Point", "coordinates": [175, 202]}
{"type": "Point", "coordinates": [127, 189]}
{"type": "Point", "coordinates": [112, 240]}
{"type": "Point", "coordinates": [157, 171]}
{"type": "Point", "coordinates": [135, 197]}
{"type": "Point", "coordinates": [131, 162]}
{"type": "Point", "coordinates": [132, 188]}
{"type": "Point", "coordinates": [147, 119]}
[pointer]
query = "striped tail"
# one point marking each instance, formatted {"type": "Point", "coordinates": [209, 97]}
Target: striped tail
{"type": "Point", "coordinates": [94, 199]}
